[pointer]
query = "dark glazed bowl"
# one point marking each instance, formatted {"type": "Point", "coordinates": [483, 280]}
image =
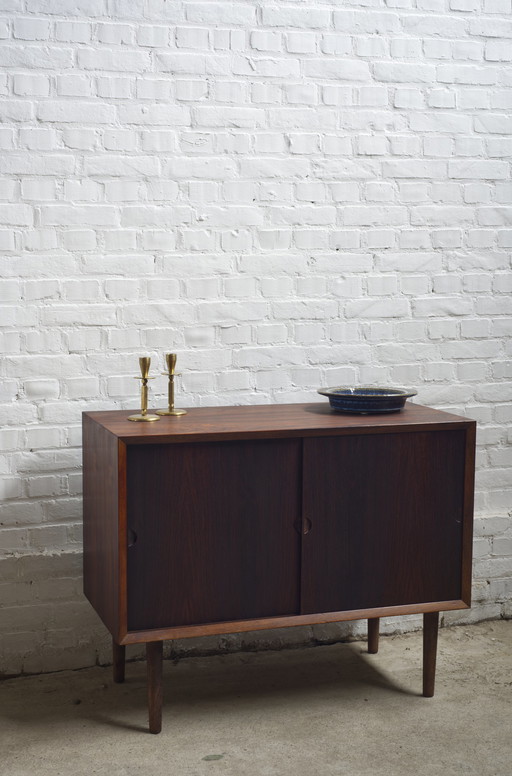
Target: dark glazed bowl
{"type": "Point", "coordinates": [366, 398]}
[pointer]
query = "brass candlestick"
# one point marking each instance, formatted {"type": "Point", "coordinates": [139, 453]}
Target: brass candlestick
{"type": "Point", "coordinates": [170, 360]}
{"type": "Point", "coordinates": [144, 363]}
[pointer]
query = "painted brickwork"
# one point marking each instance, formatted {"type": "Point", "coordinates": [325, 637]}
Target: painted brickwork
{"type": "Point", "coordinates": [288, 194]}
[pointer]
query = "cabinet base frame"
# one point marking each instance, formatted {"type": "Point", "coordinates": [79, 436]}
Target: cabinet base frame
{"type": "Point", "coordinates": [242, 626]}
{"type": "Point", "coordinates": [154, 657]}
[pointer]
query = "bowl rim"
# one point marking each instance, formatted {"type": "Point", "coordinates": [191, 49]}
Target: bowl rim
{"type": "Point", "coordinates": [381, 392]}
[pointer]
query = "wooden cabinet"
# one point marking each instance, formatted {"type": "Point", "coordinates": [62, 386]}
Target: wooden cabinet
{"type": "Point", "coordinates": [241, 518]}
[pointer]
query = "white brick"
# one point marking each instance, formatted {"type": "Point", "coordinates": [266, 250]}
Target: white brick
{"type": "Point", "coordinates": [67, 215]}
{"type": "Point", "coordinates": [447, 238]}
{"type": "Point", "coordinates": [152, 36]}
{"type": "Point", "coordinates": [498, 6]}
{"type": "Point", "coordinates": [31, 29]}
{"type": "Point", "coordinates": [308, 18]}
{"type": "Point", "coordinates": [6, 138]}
{"type": "Point", "coordinates": [409, 98]}
{"type": "Point", "coordinates": [81, 139]}
{"type": "Point", "coordinates": [304, 144]}
{"type": "Point", "coordinates": [493, 124]}
{"type": "Point", "coordinates": [371, 96]}
{"type": "Point", "coordinates": [364, 22]}
{"type": "Point", "coordinates": [494, 216]}
{"type": "Point", "coordinates": [373, 216]}
{"type": "Point", "coordinates": [379, 238]}
{"type": "Point", "coordinates": [414, 169]}
{"type": "Point", "coordinates": [467, 74]}
{"type": "Point", "coordinates": [491, 28]}
{"type": "Point", "coordinates": [440, 122]}
{"type": "Point", "coordinates": [114, 87]}
{"type": "Point", "coordinates": [192, 37]}
{"type": "Point", "coordinates": [27, 85]}
{"type": "Point", "coordinates": [230, 91]}
{"type": "Point", "coordinates": [118, 60]}
{"type": "Point", "coordinates": [370, 47]}
{"type": "Point", "coordinates": [301, 93]}
{"type": "Point", "coordinates": [7, 242]}
{"type": "Point", "coordinates": [83, 190]}
{"type": "Point", "coordinates": [17, 215]}
{"type": "Point", "coordinates": [478, 169]}
{"type": "Point", "coordinates": [159, 240]}
{"type": "Point", "coordinates": [337, 146]}
{"type": "Point", "coordinates": [191, 90]}
{"type": "Point", "coordinates": [304, 43]}
{"type": "Point", "coordinates": [17, 110]}
{"type": "Point", "coordinates": [73, 85]}
{"type": "Point", "coordinates": [404, 146]}
{"type": "Point", "coordinates": [192, 64]}
{"type": "Point", "coordinates": [379, 192]}
{"type": "Point", "coordinates": [404, 72]}
{"type": "Point", "coordinates": [221, 13]}
{"type": "Point", "coordinates": [79, 240]}
{"type": "Point", "coordinates": [377, 308]}
{"type": "Point", "coordinates": [158, 140]}
{"type": "Point", "coordinates": [73, 32]}
{"type": "Point", "coordinates": [266, 41]}
{"type": "Point", "coordinates": [236, 240]}
{"type": "Point", "coordinates": [371, 145]}
{"type": "Point", "coordinates": [441, 98]}
{"type": "Point", "coordinates": [405, 48]}
{"type": "Point", "coordinates": [75, 112]}
{"type": "Point", "coordinates": [115, 33]}
{"type": "Point", "coordinates": [339, 69]}
{"type": "Point", "coordinates": [274, 239]}
{"type": "Point", "coordinates": [36, 57]}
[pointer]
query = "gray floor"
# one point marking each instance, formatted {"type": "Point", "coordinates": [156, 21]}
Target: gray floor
{"type": "Point", "coordinates": [307, 712]}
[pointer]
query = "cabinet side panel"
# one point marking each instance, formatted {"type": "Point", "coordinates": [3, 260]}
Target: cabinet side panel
{"type": "Point", "coordinates": [386, 516]}
{"type": "Point", "coordinates": [100, 516]}
{"type": "Point", "coordinates": [469, 498]}
{"type": "Point", "coordinates": [212, 529]}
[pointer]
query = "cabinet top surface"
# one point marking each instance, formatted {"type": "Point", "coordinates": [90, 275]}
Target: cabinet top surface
{"type": "Point", "coordinates": [270, 420]}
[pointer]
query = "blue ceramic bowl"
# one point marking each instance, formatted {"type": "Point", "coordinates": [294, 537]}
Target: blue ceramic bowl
{"type": "Point", "coordinates": [366, 398]}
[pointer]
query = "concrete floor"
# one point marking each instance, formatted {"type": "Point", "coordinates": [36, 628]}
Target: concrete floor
{"type": "Point", "coordinates": [330, 710]}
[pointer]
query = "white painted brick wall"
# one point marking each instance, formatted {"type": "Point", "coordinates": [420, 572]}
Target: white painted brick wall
{"type": "Point", "coordinates": [288, 195]}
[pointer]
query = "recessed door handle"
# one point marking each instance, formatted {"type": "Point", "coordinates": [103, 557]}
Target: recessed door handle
{"type": "Point", "coordinates": [303, 526]}
{"type": "Point", "coordinates": [132, 537]}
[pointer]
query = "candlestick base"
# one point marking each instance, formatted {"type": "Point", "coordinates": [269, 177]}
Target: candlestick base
{"type": "Point", "coordinates": [171, 412]}
{"type": "Point", "coordinates": [146, 418]}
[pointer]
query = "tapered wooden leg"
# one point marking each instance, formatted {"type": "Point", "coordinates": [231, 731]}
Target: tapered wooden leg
{"type": "Point", "coordinates": [154, 653]}
{"type": "Point", "coordinates": [373, 635]}
{"type": "Point", "coordinates": [118, 655]}
{"type": "Point", "coordinates": [430, 630]}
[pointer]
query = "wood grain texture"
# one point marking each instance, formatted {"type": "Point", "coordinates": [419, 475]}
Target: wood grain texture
{"type": "Point", "coordinates": [154, 658]}
{"type": "Point", "coordinates": [118, 661]}
{"type": "Point", "coordinates": [100, 522]}
{"type": "Point", "coordinates": [386, 514]}
{"type": "Point", "coordinates": [373, 635]}
{"type": "Point", "coordinates": [430, 632]}
{"type": "Point", "coordinates": [214, 532]}
{"type": "Point", "coordinates": [105, 502]}
{"type": "Point", "coordinates": [122, 543]}
{"type": "Point", "coordinates": [467, 519]}
{"type": "Point", "coordinates": [270, 421]}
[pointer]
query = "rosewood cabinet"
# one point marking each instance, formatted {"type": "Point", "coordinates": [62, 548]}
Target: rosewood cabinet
{"type": "Point", "coordinates": [242, 518]}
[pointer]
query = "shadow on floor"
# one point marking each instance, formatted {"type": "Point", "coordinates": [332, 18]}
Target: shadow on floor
{"type": "Point", "coordinates": [194, 686]}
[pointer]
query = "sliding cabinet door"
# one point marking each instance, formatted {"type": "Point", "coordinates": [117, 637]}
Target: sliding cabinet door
{"type": "Point", "coordinates": [384, 513]}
